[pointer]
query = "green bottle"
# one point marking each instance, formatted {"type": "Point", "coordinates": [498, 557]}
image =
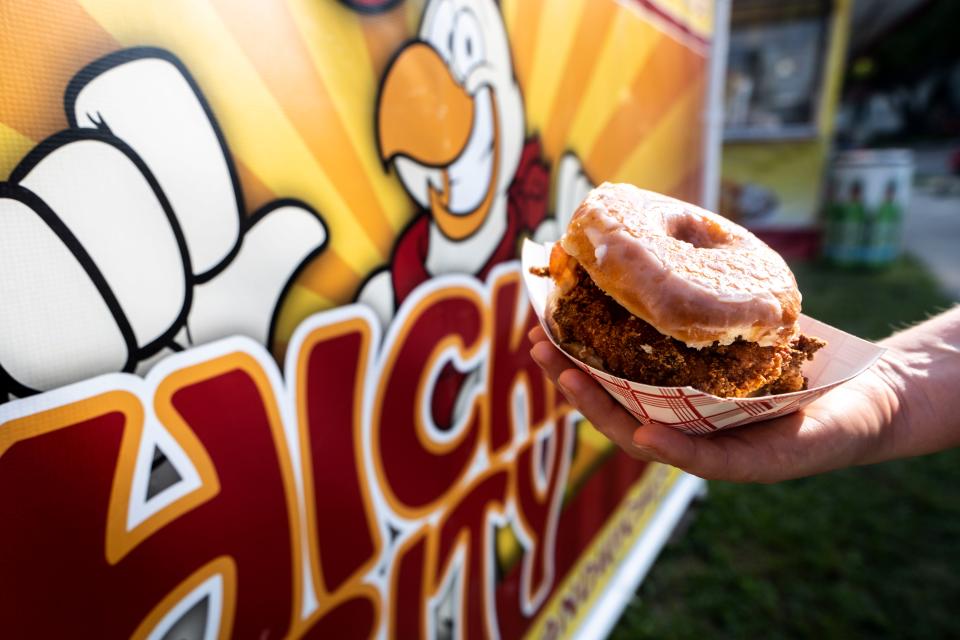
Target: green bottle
{"type": "Point", "coordinates": [850, 227]}
{"type": "Point", "coordinates": [888, 220]}
{"type": "Point", "coordinates": [833, 223]}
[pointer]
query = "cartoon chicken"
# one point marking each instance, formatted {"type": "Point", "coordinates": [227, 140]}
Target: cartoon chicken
{"type": "Point", "coordinates": [450, 120]}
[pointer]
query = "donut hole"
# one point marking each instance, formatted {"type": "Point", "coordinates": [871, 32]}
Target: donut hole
{"type": "Point", "coordinates": [702, 233]}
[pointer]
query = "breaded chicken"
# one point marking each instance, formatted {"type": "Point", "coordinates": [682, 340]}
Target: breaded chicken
{"type": "Point", "coordinates": [594, 328]}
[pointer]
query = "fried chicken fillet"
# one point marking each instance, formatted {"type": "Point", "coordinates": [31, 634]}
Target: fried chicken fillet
{"type": "Point", "coordinates": [597, 330]}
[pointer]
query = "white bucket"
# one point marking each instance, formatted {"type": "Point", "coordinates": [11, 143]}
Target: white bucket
{"type": "Point", "coordinates": [867, 196]}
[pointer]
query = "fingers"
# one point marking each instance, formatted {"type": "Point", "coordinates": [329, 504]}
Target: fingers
{"type": "Point", "coordinates": [668, 445]}
{"type": "Point", "coordinates": [245, 297]}
{"type": "Point", "coordinates": [105, 196]}
{"type": "Point", "coordinates": [705, 457]}
{"type": "Point", "coordinates": [603, 412]}
{"type": "Point", "coordinates": [537, 334]}
{"type": "Point", "coordinates": [55, 326]}
{"type": "Point", "coordinates": [750, 454]}
{"type": "Point", "coordinates": [152, 104]}
{"type": "Point", "coordinates": [550, 359]}
{"type": "Point", "coordinates": [763, 452]}
{"type": "Point", "coordinates": [584, 394]}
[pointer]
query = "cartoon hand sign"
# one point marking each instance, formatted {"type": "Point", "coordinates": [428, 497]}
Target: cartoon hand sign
{"type": "Point", "coordinates": [123, 237]}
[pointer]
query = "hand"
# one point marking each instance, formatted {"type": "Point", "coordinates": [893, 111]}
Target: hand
{"type": "Point", "coordinates": [853, 424]}
{"type": "Point", "coordinates": [124, 238]}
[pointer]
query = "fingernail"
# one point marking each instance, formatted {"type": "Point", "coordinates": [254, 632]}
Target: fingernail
{"type": "Point", "coordinates": [535, 358]}
{"type": "Point", "coordinates": [567, 394]}
{"type": "Point", "coordinates": [530, 334]}
{"type": "Point", "coordinates": [647, 452]}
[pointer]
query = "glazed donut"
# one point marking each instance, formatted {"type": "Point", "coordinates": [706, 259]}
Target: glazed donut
{"type": "Point", "coordinates": [693, 275]}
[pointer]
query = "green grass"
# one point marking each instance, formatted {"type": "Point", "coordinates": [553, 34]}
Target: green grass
{"type": "Point", "coordinates": [870, 552]}
{"type": "Point", "coordinates": [869, 303]}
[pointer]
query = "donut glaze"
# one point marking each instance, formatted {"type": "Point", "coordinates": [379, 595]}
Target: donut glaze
{"type": "Point", "coordinates": [692, 274]}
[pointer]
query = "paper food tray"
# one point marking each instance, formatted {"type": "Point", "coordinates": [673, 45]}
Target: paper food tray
{"type": "Point", "coordinates": [692, 411]}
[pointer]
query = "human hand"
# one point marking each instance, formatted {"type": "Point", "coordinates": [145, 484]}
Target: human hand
{"type": "Point", "coordinates": [853, 424]}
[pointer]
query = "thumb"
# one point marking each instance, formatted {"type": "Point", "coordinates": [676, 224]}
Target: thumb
{"type": "Point", "coordinates": [666, 444]}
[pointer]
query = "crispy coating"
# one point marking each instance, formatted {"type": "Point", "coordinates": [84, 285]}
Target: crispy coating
{"type": "Point", "coordinates": [593, 327]}
{"type": "Point", "coordinates": [694, 275]}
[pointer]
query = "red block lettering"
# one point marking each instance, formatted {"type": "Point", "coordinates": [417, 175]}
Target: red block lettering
{"type": "Point", "coordinates": [538, 507]}
{"type": "Point", "coordinates": [467, 526]}
{"type": "Point", "coordinates": [331, 370]}
{"type": "Point", "coordinates": [511, 365]}
{"type": "Point", "coordinates": [68, 562]}
{"type": "Point", "coordinates": [416, 470]}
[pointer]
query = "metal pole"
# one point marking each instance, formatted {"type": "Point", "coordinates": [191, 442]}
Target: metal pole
{"type": "Point", "coordinates": [713, 113]}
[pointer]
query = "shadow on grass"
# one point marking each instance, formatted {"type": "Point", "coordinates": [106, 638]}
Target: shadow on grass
{"type": "Point", "coordinates": [865, 552]}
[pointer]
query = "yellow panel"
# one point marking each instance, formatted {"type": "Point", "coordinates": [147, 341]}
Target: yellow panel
{"type": "Point", "coordinates": [592, 448]}
{"type": "Point", "coordinates": [333, 36]}
{"type": "Point", "coordinates": [621, 56]}
{"type": "Point", "coordinates": [556, 28]}
{"type": "Point", "coordinates": [42, 44]}
{"type": "Point", "coordinates": [13, 146]}
{"type": "Point", "coordinates": [597, 563]}
{"type": "Point", "coordinates": [523, 39]}
{"type": "Point", "coordinates": [256, 128]}
{"type": "Point", "coordinates": [579, 66]}
{"type": "Point", "coordinates": [508, 547]}
{"type": "Point", "coordinates": [299, 304]}
{"type": "Point", "coordinates": [271, 41]}
{"type": "Point", "coordinates": [672, 149]}
{"type": "Point", "coordinates": [792, 170]}
{"type": "Point", "coordinates": [833, 72]}
{"type": "Point", "coordinates": [509, 9]}
{"type": "Point", "coordinates": [696, 14]}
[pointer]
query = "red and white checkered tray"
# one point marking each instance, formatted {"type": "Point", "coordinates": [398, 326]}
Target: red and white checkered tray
{"type": "Point", "coordinates": [692, 411]}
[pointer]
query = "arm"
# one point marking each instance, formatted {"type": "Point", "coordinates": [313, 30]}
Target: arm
{"type": "Point", "coordinates": [907, 404]}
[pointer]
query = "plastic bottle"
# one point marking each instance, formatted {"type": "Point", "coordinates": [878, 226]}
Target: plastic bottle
{"type": "Point", "coordinates": [849, 243]}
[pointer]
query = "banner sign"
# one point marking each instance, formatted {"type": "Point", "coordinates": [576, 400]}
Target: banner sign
{"type": "Point", "coordinates": [263, 358]}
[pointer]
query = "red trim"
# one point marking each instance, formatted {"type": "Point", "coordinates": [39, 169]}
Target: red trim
{"type": "Point", "coordinates": [792, 244]}
{"type": "Point", "coordinates": [652, 7]}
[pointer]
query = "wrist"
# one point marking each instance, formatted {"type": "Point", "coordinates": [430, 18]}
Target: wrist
{"type": "Point", "coordinates": [919, 372]}
{"type": "Point", "coordinates": [894, 419]}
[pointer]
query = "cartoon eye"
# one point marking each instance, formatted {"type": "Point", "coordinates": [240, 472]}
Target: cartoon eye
{"type": "Point", "coordinates": [468, 50]}
{"type": "Point", "coordinates": [440, 33]}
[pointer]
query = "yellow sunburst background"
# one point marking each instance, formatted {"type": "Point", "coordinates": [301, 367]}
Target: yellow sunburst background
{"type": "Point", "coordinates": [293, 85]}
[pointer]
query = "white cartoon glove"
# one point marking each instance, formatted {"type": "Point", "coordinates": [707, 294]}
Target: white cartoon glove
{"type": "Point", "coordinates": [572, 186]}
{"type": "Point", "coordinates": [123, 237]}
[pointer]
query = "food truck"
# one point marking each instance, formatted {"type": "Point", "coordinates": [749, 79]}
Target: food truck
{"type": "Point", "coordinates": [783, 79]}
{"type": "Point", "coordinates": [263, 358]}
